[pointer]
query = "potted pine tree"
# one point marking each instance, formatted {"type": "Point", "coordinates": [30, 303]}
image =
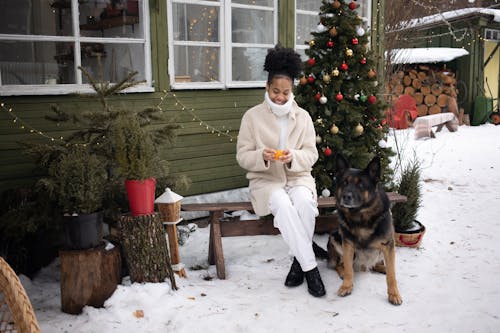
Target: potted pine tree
{"type": "Point", "coordinates": [77, 179]}
{"type": "Point", "coordinates": [137, 162]}
{"type": "Point", "coordinates": [408, 231]}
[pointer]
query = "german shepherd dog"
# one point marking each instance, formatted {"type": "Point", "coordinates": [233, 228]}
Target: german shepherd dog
{"type": "Point", "coordinates": [366, 233]}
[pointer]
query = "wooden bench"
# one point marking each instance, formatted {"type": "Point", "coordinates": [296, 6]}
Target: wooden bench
{"type": "Point", "coordinates": [423, 125]}
{"type": "Point", "coordinates": [221, 227]}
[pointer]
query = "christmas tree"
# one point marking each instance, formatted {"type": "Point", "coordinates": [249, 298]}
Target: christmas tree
{"type": "Point", "coordinates": [339, 88]}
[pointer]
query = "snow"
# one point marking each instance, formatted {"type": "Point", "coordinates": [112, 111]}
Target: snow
{"type": "Point", "coordinates": [449, 284]}
{"type": "Point", "coordinates": [425, 55]}
{"type": "Point", "coordinates": [451, 15]}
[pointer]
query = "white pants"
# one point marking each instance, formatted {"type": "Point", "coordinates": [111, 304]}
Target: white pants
{"type": "Point", "coordinates": [294, 210]}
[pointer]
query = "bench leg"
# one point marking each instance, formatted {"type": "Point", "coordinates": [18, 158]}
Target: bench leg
{"type": "Point", "coordinates": [215, 253]}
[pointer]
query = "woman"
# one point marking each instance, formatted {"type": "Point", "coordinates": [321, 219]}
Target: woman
{"type": "Point", "coordinates": [277, 146]}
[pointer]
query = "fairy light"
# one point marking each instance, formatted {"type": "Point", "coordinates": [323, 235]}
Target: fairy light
{"type": "Point", "coordinates": [24, 126]}
{"type": "Point", "coordinates": [195, 118]}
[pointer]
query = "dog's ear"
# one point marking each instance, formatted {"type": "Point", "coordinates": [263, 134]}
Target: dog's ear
{"type": "Point", "coordinates": [341, 164]}
{"type": "Point", "coordinates": [373, 169]}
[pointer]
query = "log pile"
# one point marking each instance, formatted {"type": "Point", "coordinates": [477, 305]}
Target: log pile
{"type": "Point", "coordinates": [433, 89]}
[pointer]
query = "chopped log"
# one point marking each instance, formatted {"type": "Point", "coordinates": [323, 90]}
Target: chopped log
{"type": "Point", "coordinates": [422, 76]}
{"type": "Point", "coordinates": [398, 89]}
{"type": "Point", "coordinates": [409, 91]}
{"type": "Point", "coordinates": [416, 83]}
{"type": "Point", "coordinates": [434, 109]}
{"type": "Point", "coordinates": [429, 99]}
{"type": "Point", "coordinates": [436, 89]}
{"type": "Point", "coordinates": [400, 74]}
{"type": "Point", "coordinates": [422, 110]}
{"type": "Point", "coordinates": [413, 73]}
{"type": "Point", "coordinates": [426, 90]}
{"type": "Point", "coordinates": [145, 249]}
{"type": "Point", "coordinates": [407, 80]}
{"type": "Point", "coordinates": [442, 100]}
{"type": "Point", "coordinates": [419, 98]}
{"type": "Point", "coordinates": [88, 277]}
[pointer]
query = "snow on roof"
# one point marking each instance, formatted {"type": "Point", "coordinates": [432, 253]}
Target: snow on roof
{"type": "Point", "coordinates": [425, 55]}
{"type": "Point", "coordinates": [453, 14]}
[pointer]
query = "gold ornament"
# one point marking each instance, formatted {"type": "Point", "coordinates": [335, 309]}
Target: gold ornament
{"type": "Point", "coordinates": [312, 43]}
{"type": "Point", "coordinates": [335, 72]}
{"type": "Point", "coordinates": [303, 80]}
{"type": "Point", "coordinates": [358, 130]}
{"type": "Point", "coordinates": [334, 129]}
{"type": "Point", "coordinates": [333, 32]}
{"type": "Point", "coordinates": [326, 78]}
{"type": "Point", "coordinates": [371, 74]}
{"type": "Point", "coordinates": [349, 52]}
{"type": "Point", "coordinates": [336, 4]}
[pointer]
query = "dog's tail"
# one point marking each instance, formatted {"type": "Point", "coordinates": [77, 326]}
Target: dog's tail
{"type": "Point", "coordinates": [319, 252]}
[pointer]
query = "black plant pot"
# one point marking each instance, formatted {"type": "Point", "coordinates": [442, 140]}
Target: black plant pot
{"type": "Point", "coordinates": [83, 231]}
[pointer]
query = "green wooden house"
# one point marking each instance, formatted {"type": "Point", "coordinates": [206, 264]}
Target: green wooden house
{"type": "Point", "coordinates": [478, 31]}
{"type": "Point", "coordinates": [201, 61]}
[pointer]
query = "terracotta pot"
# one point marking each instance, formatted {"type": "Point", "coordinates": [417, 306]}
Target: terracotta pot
{"type": "Point", "coordinates": [141, 196]}
{"type": "Point", "coordinates": [411, 238]}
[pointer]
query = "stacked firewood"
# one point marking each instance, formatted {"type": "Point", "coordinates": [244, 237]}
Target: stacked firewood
{"type": "Point", "coordinates": [433, 89]}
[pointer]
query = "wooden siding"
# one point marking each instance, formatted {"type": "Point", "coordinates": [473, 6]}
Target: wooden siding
{"type": "Point", "coordinates": [206, 158]}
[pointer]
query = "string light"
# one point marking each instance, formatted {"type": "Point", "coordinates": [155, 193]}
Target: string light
{"type": "Point", "coordinates": [195, 118]}
{"type": "Point", "coordinates": [23, 125]}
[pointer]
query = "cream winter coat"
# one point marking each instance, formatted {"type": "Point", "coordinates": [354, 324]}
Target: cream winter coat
{"type": "Point", "coordinates": [259, 129]}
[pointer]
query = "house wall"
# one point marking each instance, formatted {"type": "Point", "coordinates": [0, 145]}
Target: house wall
{"type": "Point", "coordinates": [207, 158]}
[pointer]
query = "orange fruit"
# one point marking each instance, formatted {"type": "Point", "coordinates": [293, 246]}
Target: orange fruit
{"type": "Point", "coordinates": [278, 154]}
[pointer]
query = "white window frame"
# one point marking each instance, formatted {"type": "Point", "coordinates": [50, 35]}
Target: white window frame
{"type": "Point", "coordinates": [366, 20]}
{"type": "Point", "coordinates": [225, 43]}
{"type": "Point", "coordinates": [79, 87]}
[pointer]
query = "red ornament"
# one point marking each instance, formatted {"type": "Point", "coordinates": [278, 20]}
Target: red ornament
{"type": "Point", "coordinates": [354, 41]}
{"type": "Point", "coordinates": [317, 96]}
{"type": "Point", "coordinates": [344, 66]}
{"type": "Point", "coordinates": [363, 61]}
{"type": "Point", "coordinates": [310, 79]}
{"type": "Point", "coordinates": [339, 97]}
{"type": "Point", "coordinates": [311, 62]}
{"type": "Point", "coordinates": [330, 44]}
{"type": "Point", "coordinates": [372, 99]}
{"type": "Point", "coordinates": [327, 151]}
{"type": "Point", "coordinates": [352, 5]}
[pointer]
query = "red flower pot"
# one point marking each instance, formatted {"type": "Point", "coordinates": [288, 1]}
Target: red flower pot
{"type": "Point", "coordinates": [141, 196]}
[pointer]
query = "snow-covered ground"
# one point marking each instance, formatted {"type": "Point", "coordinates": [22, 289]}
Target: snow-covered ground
{"type": "Point", "coordinates": [450, 284]}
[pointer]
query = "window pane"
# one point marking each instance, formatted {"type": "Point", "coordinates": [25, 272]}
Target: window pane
{"type": "Point", "coordinates": [35, 17]}
{"type": "Point", "coordinates": [252, 26]}
{"type": "Point", "coordinates": [248, 64]}
{"type": "Point", "coordinates": [98, 19]}
{"type": "Point", "coordinates": [312, 5]}
{"type": "Point", "coordinates": [34, 63]}
{"type": "Point", "coordinates": [196, 23]}
{"type": "Point", "coordinates": [305, 24]}
{"type": "Point", "coordinates": [196, 63]}
{"type": "Point", "coordinates": [118, 60]}
{"type": "Point", "coordinates": [267, 3]}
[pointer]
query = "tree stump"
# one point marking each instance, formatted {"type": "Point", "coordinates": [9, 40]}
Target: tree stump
{"type": "Point", "coordinates": [88, 277]}
{"type": "Point", "coordinates": [145, 249]}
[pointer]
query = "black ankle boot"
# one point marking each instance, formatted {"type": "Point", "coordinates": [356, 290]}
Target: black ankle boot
{"type": "Point", "coordinates": [296, 276]}
{"type": "Point", "coordinates": [314, 284]}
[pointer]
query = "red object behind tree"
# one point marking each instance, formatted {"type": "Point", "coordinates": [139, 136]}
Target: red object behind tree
{"type": "Point", "coordinates": [404, 109]}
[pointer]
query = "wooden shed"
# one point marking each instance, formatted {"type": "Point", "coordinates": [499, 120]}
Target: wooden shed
{"type": "Point", "coordinates": [477, 30]}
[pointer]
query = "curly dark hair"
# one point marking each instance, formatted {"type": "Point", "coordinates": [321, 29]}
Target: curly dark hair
{"type": "Point", "coordinates": [282, 61]}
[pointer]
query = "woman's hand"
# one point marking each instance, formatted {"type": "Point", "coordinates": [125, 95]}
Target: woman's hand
{"type": "Point", "coordinates": [284, 156]}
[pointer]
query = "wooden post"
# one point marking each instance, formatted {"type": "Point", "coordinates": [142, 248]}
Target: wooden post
{"type": "Point", "coordinates": [145, 249]}
{"type": "Point", "coordinates": [88, 277]}
{"type": "Point", "coordinates": [173, 245]}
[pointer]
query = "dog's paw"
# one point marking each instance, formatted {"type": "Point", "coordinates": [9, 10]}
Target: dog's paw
{"type": "Point", "coordinates": [395, 299]}
{"type": "Point", "coordinates": [344, 290]}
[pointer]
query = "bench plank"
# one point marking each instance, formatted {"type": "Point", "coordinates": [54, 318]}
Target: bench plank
{"type": "Point", "coordinates": [233, 227]}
